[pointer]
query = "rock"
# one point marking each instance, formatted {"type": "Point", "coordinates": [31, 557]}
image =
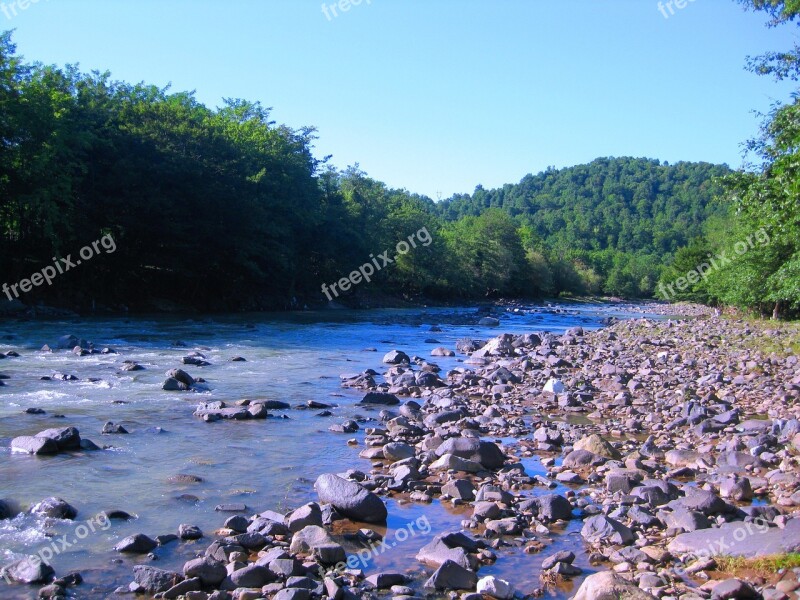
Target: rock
{"type": "Point", "coordinates": [396, 357]}
{"type": "Point", "coordinates": [310, 514]}
{"type": "Point", "coordinates": [136, 544]}
{"type": "Point", "coordinates": [6, 512]}
{"type": "Point", "coordinates": [564, 556]}
{"type": "Point", "coordinates": [181, 376]}
{"type": "Point", "coordinates": [34, 445]}
{"type": "Point", "coordinates": [734, 589]}
{"type": "Point", "coordinates": [605, 530]}
{"type": "Point", "coordinates": [173, 385]}
{"type": "Point", "coordinates": [451, 462]}
{"type": "Point", "coordinates": [438, 551]}
{"type": "Point", "coordinates": [154, 580]}
{"type": "Point", "coordinates": [486, 454]}
{"type": "Point", "coordinates": [55, 508]}
{"type": "Point", "coordinates": [452, 576]}
{"type": "Point", "coordinates": [66, 438]}
{"type": "Point", "coordinates": [183, 588]}
{"type": "Point", "coordinates": [440, 351]}
{"type": "Point", "coordinates": [380, 398]}
{"type": "Point", "coordinates": [597, 445]}
{"type": "Point", "coordinates": [461, 489]}
{"type": "Point", "coordinates": [28, 570]}
{"type": "Point", "coordinates": [209, 571]}
{"type": "Point", "coordinates": [550, 507]}
{"type": "Point", "coordinates": [292, 594]}
{"type": "Point", "coordinates": [495, 588]}
{"type": "Point", "coordinates": [395, 451]}
{"type": "Point", "coordinates": [383, 581]}
{"type": "Point", "coordinates": [350, 499]}
{"type": "Point", "coordinates": [489, 322]}
{"type": "Point", "coordinates": [189, 532]}
{"type": "Point", "coordinates": [313, 540]}
{"type": "Point", "coordinates": [113, 428]}
{"type": "Point", "coordinates": [607, 585]}
{"type": "Point", "coordinates": [251, 576]}
{"type": "Point", "coordinates": [747, 539]}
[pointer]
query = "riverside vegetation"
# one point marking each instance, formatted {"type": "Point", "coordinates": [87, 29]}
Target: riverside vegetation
{"type": "Point", "coordinates": [223, 209]}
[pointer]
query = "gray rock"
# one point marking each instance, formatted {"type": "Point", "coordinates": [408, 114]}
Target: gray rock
{"type": "Point", "coordinates": [564, 556]}
{"type": "Point", "coordinates": [350, 499]}
{"type": "Point", "coordinates": [251, 576]}
{"type": "Point", "coordinates": [136, 544]}
{"type": "Point", "coordinates": [315, 540]}
{"type": "Point", "coordinates": [293, 594]}
{"type": "Point", "coordinates": [396, 357]}
{"type": "Point", "coordinates": [384, 581]}
{"type": "Point", "coordinates": [380, 398]}
{"type": "Point", "coordinates": [605, 530]}
{"type": "Point", "coordinates": [310, 514]}
{"type": "Point", "coordinates": [34, 445]}
{"type": "Point", "coordinates": [6, 512]}
{"type": "Point", "coordinates": [55, 508]}
{"type": "Point", "coordinates": [66, 438]}
{"type": "Point", "coordinates": [746, 539]}
{"type": "Point", "coordinates": [189, 532]}
{"type": "Point", "coordinates": [607, 585]}
{"type": "Point", "coordinates": [154, 580]}
{"type": "Point", "coordinates": [550, 507]}
{"type": "Point", "coordinates": [395, 451]}
{"type": "Point", "coordinates": [183, 588]}
{"type": "Point", "coordinates": [452, 576]}
{"type": "Point", "coordinates": [210, 572]}
{"type": "Point", "coordinates": [462, 489]}
{"type": "Point", "coordinates": [734, 589]}
{"type": "Point", "coordinates": [28, 570]}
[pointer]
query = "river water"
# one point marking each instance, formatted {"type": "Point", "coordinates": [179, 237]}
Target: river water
{"type": "Point", "coordinates": [268, 464]}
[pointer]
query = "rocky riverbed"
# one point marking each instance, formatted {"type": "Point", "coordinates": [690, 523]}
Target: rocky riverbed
{"type": "Point", "coordinates": [629, 462]}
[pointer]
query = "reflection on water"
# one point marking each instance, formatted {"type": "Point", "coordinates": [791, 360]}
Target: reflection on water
{"type": "Point", "coordinates": [263, 464]}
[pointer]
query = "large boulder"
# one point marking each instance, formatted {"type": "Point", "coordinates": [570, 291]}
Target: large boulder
{"type": "Point", "coordinates": [66, 438]}
{"type": "Point", "coordinates": [746, 539]}
{"type": "Point", "coordinates": [607, 585]}
{"type": "Point", "coordinates": [34, 445]}
{"type": "Point", "coordinates": [396, 357]}
{"type": "Point", "coordinates": [350, 499]}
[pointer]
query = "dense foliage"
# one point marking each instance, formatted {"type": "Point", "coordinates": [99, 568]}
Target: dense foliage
{"type": "Point", "coordinates": [760, 236]}
{"type": "Point", "coordinates": [223, 209]}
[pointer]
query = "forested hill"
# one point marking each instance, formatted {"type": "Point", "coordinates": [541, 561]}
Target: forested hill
{"type": "Point", "coordinates": [223, 209]}
{"type": "Point", "coordinates": [625, 204]}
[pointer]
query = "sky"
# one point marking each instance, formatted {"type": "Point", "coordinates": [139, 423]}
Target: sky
{"type": "Point", "coordinates": [439, 96]}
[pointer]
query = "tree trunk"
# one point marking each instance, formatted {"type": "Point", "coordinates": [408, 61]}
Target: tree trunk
{"type": "Point", "coordinates": [776, 312]}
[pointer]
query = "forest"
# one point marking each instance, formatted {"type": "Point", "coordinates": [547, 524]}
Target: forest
{"type": "Point", "coordinates": [223, 209]}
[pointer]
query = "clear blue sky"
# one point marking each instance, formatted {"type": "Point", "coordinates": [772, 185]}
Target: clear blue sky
{"type": "Point", "coordinates": [438, 96]}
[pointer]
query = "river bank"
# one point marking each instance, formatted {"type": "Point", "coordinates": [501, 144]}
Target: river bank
{"type": "Point", "coordinates": [587, 451]}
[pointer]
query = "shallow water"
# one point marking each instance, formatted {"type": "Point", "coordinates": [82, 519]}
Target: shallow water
{"type": "Point", "coordinates": [265, 464]}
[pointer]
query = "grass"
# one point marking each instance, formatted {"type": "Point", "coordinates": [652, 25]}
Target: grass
{"type": "Point", "coordinates": [765, 566]}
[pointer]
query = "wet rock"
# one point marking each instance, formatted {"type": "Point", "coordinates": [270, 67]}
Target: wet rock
{"type": "Point", "coordinates": [66, 438]}
{"type": "Point", "coordinates": [6, 512]}
{"type": "Point", "coordinates": [28, 570]}
{"type": "Point", "coordinates": [136, 544]}
{"type": "Point", "coordinates": [350, 499]}
{"type": "Point", "coordinates": [154, 580]}
{"type": "Point", "coordinates": [189, 532]}
{"type": "Point", "coordinates": [440, 351]}
{"type": "Point", "coordinates": [313, 540]}
{"type": "Point", "coordinates": [34, 445]}
{"type": "Point", "coordinates": [55, 508]}
{"type": "Point", "coordinates": [564, 556]}
{"type": "Point", "coordinates": [452, 576]}
{"type": "Point", "coordinates": [380, 398]}
{"type": "Point", "coordinates": [610, 586]}
{"type": "Point", "coordinates": [113, 428]}
{"type": "Point", "coordinates": [52, 592]}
